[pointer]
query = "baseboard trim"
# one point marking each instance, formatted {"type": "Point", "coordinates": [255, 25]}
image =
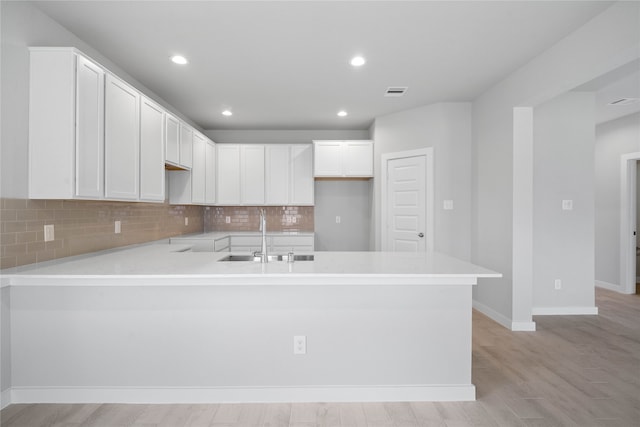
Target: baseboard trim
{"type": "Point", "coordinates": [419, 393]}
{"type": "Point", "coordinates": [564, 311]}
{"type": "Point", "coordinates": [5, 398]}
{"type": "Point", "coordinates": [492, 314]}
{"type": "Point", "coordinates": [523, 326]}
{"type": "Point", "coordinates": [608, 285]}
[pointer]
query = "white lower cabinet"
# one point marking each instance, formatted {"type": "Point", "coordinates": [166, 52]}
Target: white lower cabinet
{"type": "Point", "coordinates": [121, 140]}
{"type": "Point", "coordinates": [284, 244]}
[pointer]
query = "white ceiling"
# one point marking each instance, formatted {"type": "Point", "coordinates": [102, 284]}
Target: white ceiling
{"type": "Point", "coordinates": [284, 65]}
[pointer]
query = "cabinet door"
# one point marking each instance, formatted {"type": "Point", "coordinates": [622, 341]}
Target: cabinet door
{"type": "Point", "coordinates": [151, 151]}
{"type": "Point", "coordinates": [122, 140]}
{"type": "Point", "coordinates": [172, 140]}
{"type": "Point", "coordinates": [198, 170]}
{"type": "Point", "coordinates": [302, 183]}
{"type": "Point", "coordinates": [358, 158]}
{"type": "Point", "coordinates": [210, 174]}
{"type": "Point", "coordinates": [186, 146]}
{"type": "Point", "coordinates": [252, 174]}
{"type": "Point", "coordinates": [89, 143]}
{"type": "Point", "coordinates": [277, 179]}
{"type": "Point", "coordinates": [328, 158]}
{"type": "Point", "coordinates": [228, 174]}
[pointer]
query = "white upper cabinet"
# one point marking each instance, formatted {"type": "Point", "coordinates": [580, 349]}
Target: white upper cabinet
{"type": "Point", "coordinates": [343, 159]}
{"type": "Point", "coordinates": [289, 174]}
{"type": "Point", "coordinates": [66, 125]}
{"type": "Point", "coordinates": [252, 174]}
{"type": "Point", "coordinates": [210, 174]}
{"type": "Point", "coordinates": [186, 146]}
{"type": "Point", "coordinates": [228, 174]}
{"type": "Point", "coordinates": [198, 169]}
{"type": "Point", "coordinates": [301, 192]}
{"type": "Point", "coordinates": [121, 140]}
{"type": "Point", "coordinates": [152, 137]}
{"type": "Point", "coordinates": [172, 140]}
{"type": "Point", "coordinates": [240, 174]}
{"type": "Point", "coordinates": [277, 174]}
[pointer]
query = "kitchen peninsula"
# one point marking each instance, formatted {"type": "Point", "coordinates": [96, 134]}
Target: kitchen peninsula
{"type": "Point", "coordinates": [161, 323]}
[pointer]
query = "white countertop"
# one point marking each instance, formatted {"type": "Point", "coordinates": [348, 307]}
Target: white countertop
{"type": "Point", "coordinates": [162, 264]}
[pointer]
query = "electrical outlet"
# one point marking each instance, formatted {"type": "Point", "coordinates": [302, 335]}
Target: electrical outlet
{"type": "Point", "coordinates": [558, 284]}
{"type": "Point", "coordinates": [186, 221]}
{"type": "Point", "coordinates": [338, 219]}
{"type": "Point", "coordinates": [227, 219]}
{"type": "Point", "coordinates": [294, 219]}
{"type": "Point", "coordinates": [300, 344]}
{"type": "Point", "coordinates": [49, 233]}
{"type": "Point", "coordinates": [118, 227]}
{"type": "Point", "coordinates": [448, 205]}
{"type": "Point", "coordinates": [567, 205]}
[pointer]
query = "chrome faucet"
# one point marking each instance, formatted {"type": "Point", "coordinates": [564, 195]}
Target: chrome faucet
{"type": "Point", "coordinates": [264, 257]}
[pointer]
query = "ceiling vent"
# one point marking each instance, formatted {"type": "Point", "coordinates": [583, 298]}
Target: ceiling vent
{"type": "Point", "coordinates": [625, 101]}
{"type": "Point", "coordinates": [396, 91]}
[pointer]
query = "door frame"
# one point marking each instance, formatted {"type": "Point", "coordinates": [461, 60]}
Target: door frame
{"type": "Point", "coordinates": [429, 194]}
{"type": "Point", "coordinates": [628, 174]}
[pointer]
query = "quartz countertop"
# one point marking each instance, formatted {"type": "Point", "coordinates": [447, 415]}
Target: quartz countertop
{"type": "Point", "coordinates": [163, 263]}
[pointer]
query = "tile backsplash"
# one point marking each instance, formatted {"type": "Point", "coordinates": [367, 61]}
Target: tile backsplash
{"type": "Point", "coordinates": [247, 218]}
{"type": "Point", "coordinates": [85, 226]}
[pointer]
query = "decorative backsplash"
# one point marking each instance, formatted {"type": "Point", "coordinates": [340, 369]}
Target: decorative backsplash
{"type": "Point", "coordinates": [247, 218]}
{"type": "Point", "coordinates": [85, 226]}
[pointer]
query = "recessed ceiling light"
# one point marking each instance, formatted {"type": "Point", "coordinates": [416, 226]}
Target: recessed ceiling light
{"type": "Point", "coordinates": [179, 59]}
{"type": "Point", "coordinates": [342, 113]}
{"type": "Point", "coordinates": [227, 113]}
{"type": "Point", "coordinates": [357, 61]}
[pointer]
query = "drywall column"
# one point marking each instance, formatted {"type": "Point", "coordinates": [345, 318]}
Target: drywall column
{"type": "Point", "coordinates": [522, 219]}
{"type": "Point", "coordinates": [564, 174]}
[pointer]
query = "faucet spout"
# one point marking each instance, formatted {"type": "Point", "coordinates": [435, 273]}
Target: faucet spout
{"type": "Point", "coordinates": [264, 257]}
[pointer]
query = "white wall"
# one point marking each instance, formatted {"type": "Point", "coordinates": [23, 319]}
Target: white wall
{"type": "Point", "coordinates": [351, 200]}
{"type": "Point", "coordinates": [605, 43]}
{"type": "Point", "coordinates": [447, 128]}
{"type": "Point", "coordinates": [563, 242]}
{"type": "Point", "coordinates": [613, 139]}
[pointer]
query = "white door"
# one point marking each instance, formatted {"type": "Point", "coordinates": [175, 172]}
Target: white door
{"type": "Point", "coordinates": [302, 183]}
{"type": "Point", "coordinates": [228, 174]}
{"type": "Point", "coordinates": [199, 170]}
{"type": "Point", "coordinates": [277, 174]}
{"type": "Point", "coordinates": [186, 146]}
{"type": "Point", "coordinates": [252, 174]}
{"type": "Point", "coordinates": [210, 174]}
{"type": "Point", "coordinates": [405, 204]}
{"type": "Point", "coordinates": [172, 141]}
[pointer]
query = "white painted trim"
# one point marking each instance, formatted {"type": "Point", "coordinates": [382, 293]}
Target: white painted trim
{"type": "Point", "coordinates": [429, 194]}
{"type": "Point", "coordinates": [607, 285]}
{"type": "Point", "coordinates": [522, 225]}
{"type": "Point", "coordinates": [523, 326]}
{"type": "Point", "coordinates": [563, 311]}
{"type": "Point", "coordinates": [492, 314]}
{"type": "Point", "coordinates": [5, 398]}
{"type": "Point", "coordinates": [628, 171]}
{"type": "Point", "coordinates": [435, 393]}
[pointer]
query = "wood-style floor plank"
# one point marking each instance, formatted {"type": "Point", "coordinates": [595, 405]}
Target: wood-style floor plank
{"type": "Point", "coordinates": [573, 371]}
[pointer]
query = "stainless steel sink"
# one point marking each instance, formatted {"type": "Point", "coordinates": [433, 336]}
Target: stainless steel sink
{"type": "Point", "coordinates": [271, 258]}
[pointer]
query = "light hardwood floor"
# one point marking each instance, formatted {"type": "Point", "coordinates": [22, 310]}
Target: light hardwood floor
{"type": "Point", "coordinates": [574, 371]}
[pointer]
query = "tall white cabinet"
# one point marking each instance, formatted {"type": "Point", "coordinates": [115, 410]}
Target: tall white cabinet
{"type": "Point", "coordinates": [66, 125]}
{"type": "Point", "coordinates": [121, 139]}
{"type": "Point", "coordinates": [152, 136]}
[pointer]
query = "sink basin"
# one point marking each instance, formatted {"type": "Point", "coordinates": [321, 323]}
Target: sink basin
{"type": "Point", "coordinates": [271, 258]}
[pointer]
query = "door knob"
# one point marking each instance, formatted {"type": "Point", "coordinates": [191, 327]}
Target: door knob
{"type": "Point", "coordinates": [421, 235]}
